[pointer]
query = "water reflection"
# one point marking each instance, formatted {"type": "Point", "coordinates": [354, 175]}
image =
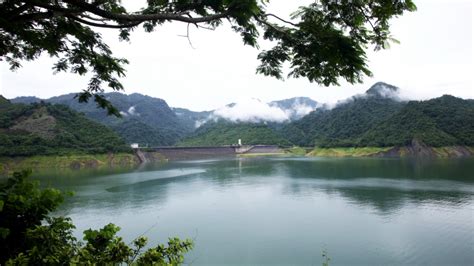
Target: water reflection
{"type": "Point", "coordinates": [384, 184]}
{"type": "Point", "coordinates": [246, 210]}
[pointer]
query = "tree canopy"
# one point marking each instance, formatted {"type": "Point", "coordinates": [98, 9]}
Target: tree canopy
{"type": "Point", "coordinates": [30, 235]}
{"type": "Point", "coordinates": [323, 41]}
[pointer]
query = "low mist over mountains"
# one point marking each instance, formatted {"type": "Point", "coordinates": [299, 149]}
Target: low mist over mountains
{"type": "Point", "coordinates": [150, 121]}
{"type": "Point", "coordinates": [378, 117]}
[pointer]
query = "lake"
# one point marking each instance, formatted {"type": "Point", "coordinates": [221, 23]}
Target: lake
{"type": "Point", "coordinates": [288, 211]}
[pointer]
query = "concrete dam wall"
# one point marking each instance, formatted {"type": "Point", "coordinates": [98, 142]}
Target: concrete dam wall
{"type": "Point", "coordinates": [184, 153]}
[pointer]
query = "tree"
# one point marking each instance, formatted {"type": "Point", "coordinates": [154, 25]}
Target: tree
{"type": "Point", "coordinates": [30, 236]}
{"type": "Point", "coordinates": [323, 41]}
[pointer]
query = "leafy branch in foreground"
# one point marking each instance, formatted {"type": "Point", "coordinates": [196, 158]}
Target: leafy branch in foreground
{"type": "Point", "coordinates": [323, 41]}
{"type": "Point", "coordinates": [28, 235]}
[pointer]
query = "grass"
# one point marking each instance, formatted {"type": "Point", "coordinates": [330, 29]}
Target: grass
{"type": "Point", "coordinates": [347, 152]}
{"type": "Point", "coordinates": [296, 151]}
{"type": "Point", "coordinates": [75, 161]}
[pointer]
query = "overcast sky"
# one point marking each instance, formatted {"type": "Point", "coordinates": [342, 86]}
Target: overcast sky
{"type": "Point", "coordinates": [435, 57]}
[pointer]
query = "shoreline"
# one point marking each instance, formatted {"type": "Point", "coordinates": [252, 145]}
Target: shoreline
{"type": "Point", "coordinates": [120, 160]}
{"type": "Point", "coordinates": [415, 150]}
{"type": "Point", "coordinates": [73, 162]}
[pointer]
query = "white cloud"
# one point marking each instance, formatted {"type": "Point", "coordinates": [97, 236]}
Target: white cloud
{"type": "Point", "coordinates": [387, 92]}
{"type": "Point", "coordinates": [300, 109]}
{"type": "Point", "coordinates": [251, 110]}
{"type": "Point", "coordinates": [199, 123]}
{"type": "Point", "coordinates": [132, 111]}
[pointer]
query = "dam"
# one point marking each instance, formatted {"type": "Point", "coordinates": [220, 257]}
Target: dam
{"type": "Point", "coordinates": [184, 153]}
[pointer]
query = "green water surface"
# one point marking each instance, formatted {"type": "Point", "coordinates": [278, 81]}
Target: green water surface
{"type": "Point", "coordinates": [287, 211]}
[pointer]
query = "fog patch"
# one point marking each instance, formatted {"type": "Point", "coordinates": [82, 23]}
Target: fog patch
{"type": "Point", "coordinates": [130, 112]}
{"type": "Point", "coordinates": [297, 110]}
{"type": "Point", "coordinates": [386, 91]}
{"type": "Point", "coordinates": [251, 110]}
{"type": "Point", "coordinates": [380, 90]}
{"type": "Point", "coordinates": [199, 123]}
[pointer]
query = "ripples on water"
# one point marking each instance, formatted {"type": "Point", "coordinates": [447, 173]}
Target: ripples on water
{"type": "Point", "coordinates": [288, 210]}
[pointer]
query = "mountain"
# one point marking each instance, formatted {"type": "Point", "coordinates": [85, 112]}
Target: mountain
{"type": "Point", "coordinates": [145, 120]}
{"type": "Point", "coordinates": [346, 123]}
{"type": "Point", "coordinates": [44, 129]}
{"type": "Point", "coordinates": [444, 121]}
{"type": "Point", "coordinates": [379, 118]}
{"type": "Point", "coordinates": [26, 99]}
{"type": "Point", "coordinates": [3, 100]}
{"type": "Point", "coordinates": [190, 119]}
{"type": "Point", "coordinates": [150, 121]}
{"type": "Point", "coordinates": [296, 107]}
{"type": "Point", "coordinates": [383, 90]}
{"type": "Point", "coordinates": [227, 133]}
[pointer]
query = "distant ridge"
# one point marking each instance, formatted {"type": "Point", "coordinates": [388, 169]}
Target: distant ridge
{"type": "Point", "coordinates": [378, 117]}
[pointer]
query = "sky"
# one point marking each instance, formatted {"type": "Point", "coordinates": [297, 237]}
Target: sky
{"type": "Point", "coordinates": [434, 57]}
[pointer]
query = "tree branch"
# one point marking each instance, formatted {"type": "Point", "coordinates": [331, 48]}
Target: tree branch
{"type": "Point", "coordinates": [270, 25]}
{"type": "Point", "coordinates": [101, 25]}
{"type": "Point", "coordinates": [144, 17]}
{"type": "Point", "coordinates": [282, 20]}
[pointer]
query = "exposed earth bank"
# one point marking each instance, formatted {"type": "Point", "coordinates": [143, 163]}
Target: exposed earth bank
{"type": "Point", "coordinates": [416, 149]}
{"type": "Point", "coordinates": [419, 149]}
{"type": "Point", "coordinates": [75, 162]}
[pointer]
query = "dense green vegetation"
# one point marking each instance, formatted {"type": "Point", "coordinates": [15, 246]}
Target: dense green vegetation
{"type": "Point", "coordinates": [375, 120]}
{"type": "Point", "coordinates": [46, 129]}
{"type": "Point", "coordinates": [3, 100]}
{"type": "Point", "coordinates": [227, 133]}
{"type": "Point", "coordinates": [145, 120]}
{"type": "Point", "coordinates": [29, 235]}
{"type": "Point", "coordinates": [343, 125]}
{"type": "Point", "coordinates": [438, 122]}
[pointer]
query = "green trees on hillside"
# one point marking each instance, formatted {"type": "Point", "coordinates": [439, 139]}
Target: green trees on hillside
{"type": "Point", "coordinates": [145, 120]}
{"type": "Point", "coordinates": [45, 129]}
{"type": "Point", "coordinates": [438, 122]}
{"type": "Point", "coordinates": [382, 122]}
{"type": "Point", "coordinates": [227, 133]}
{"type": "Point", "coordinates": [343, 125]}
{"type": "Point", "coordinates": [29, 235]}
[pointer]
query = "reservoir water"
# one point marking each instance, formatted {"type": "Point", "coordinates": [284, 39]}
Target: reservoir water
{"type": "Point", "coordinates": [288, 211]}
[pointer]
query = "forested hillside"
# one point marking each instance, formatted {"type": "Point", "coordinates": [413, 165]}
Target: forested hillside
{"type": "Point", "coordinates": [145, 120]}
{"type": "Point", "coordinates": [46, 129]}
{"type": "Point", "coordinates": [438, 122]}
{"type": "Point", "coordinates": [346, 123]}
{"type": "Point", "coordinates": [379, 119]}
{"type": "Point", "coordinates": [150, 121]}
{"type": "Point", "coordinates": [228, 133]}
{"type": "Point", "coordinates": [190, 119]}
